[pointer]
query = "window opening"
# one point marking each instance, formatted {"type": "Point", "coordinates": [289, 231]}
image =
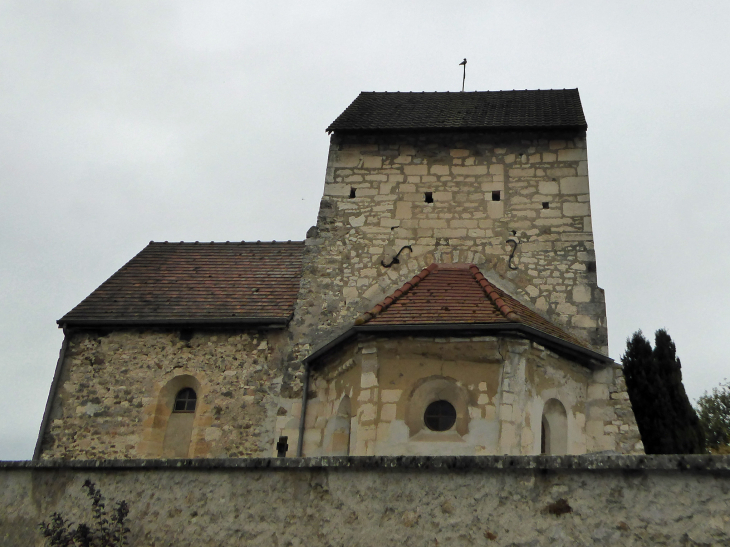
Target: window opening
{"type": "Point", "coordinates": [185, 400]}
{"type": "Point", "coordinates": [554, 439]}
{"type": "Point", "coordinates": [428, 197]}
{"type": "Point", "coordinates": [546, 205]}
{"type": "Point", "coordinates": [440, 416]}
{"type": "Point", "coordinates": [282, 447]}
{"type": "Point", "coordinates": [496, 195]}
{"type": "Point", "coordinates": [352, 193]}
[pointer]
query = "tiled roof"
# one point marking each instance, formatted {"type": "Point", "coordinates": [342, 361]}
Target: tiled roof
{"type": "Point", "coordinates": [376, 111]}
{"type": "Point", "coordinates": [198, 283]}
{"type": "Point", "coordinates": [456, 294]}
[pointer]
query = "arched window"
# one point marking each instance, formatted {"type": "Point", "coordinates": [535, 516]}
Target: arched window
{"type": "Point", "coordinates": [175, 418]}
{"type": "Point", "coordinates": [554, 429]}
{"type": "Point", "coordinates": [185, 400]}
{"type": "Point", "coordinates": [179, 430]}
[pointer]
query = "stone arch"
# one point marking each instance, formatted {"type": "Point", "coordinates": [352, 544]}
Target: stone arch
{"type": "Point", "coordinates": [554, 429]}
{"type": "Point", "coordinates": [170, 435]}
{"type": "Point", "coordinates": [437, 388]}
{"type": "Point", "coordinates": [337, 432]}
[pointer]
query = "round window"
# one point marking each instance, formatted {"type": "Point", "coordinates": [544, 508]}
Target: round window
{"type": "Point", "coordinates": [440, 416]}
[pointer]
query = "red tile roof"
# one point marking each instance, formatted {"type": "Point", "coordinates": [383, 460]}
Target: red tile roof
{"type": "Point", "coordinates": [170, 283]}
{"type": "Point", "coordinates": [456, 294]}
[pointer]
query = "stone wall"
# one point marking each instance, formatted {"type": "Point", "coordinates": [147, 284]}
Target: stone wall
{"type": "Point", "coordinates": [499, 387]}
{"type": "Point", "coordinates": [111, 401]}
{"type": "Point", "coordinates": [482, 187]}
{"type": "Point", "coordinates": [515, 501]}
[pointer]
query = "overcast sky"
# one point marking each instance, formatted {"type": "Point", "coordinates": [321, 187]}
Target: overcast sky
{"type": "Point", "coordinates": [123, 122]}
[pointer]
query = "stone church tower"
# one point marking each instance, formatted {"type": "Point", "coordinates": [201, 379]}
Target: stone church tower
{"type": "Point", "coordinates": [446, 302]}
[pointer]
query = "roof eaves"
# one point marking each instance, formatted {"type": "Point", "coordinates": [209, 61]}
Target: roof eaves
{"type": "Point", "coordinates": [495, 129]}
{"type": "Point", "coordinates": [274, 322]}
{"type": "Point", "coordinates": [580, 354]}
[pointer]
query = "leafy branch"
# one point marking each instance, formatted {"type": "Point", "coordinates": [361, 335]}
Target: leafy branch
{"type": "Point", "coordinates": [104, 531]}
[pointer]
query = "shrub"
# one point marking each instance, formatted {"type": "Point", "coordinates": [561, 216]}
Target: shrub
{"type": "Point", "coordinates": [104, 530]}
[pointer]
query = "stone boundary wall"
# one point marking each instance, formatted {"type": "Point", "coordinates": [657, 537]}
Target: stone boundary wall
{"type": "Point", "coordinates": [384, 501]}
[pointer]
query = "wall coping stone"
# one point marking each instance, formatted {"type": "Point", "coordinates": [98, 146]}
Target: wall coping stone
{"type": "Point", "coordinates": [698, 463]}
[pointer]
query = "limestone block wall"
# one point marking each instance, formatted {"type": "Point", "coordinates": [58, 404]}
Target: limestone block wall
{"type": "Point", "coordinates": [526, 501]}
{"type": "Point", "coordinates": [115, 393]}
{"type": "Point", "coordinates": [482, 188]}
{"type": "Point", "coordinates": [377, 390]}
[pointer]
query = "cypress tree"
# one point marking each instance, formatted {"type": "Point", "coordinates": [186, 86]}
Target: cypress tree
{"type": "Point", "coordinates": [667, 422]}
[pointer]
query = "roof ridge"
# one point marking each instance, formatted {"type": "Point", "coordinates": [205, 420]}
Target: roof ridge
{"type": "Point", "coordinates": [493, 295]}
{"type": "Point", "coordinates": [397, 294]}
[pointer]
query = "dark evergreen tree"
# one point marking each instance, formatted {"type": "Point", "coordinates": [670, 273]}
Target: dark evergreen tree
{"type": "Point", "coordinates": [667, 422]}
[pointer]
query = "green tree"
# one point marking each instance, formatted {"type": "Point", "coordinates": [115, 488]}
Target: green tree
{"type": "Point", "coordinates": [714, 414]}
{"type": "Point", "coordinates": [104, 531]}
{"type": "Point", "coordinates": [667, 422]}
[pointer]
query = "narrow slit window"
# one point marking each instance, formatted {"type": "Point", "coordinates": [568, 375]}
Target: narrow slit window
{"type": "Point", "coordinates": [496, 195]}
{"type": "Point", "coordinates": [185, 400]}
{"type": "Point", "coordinates": [546, 205]}
{"type": "Point", "coordinates": [428, 197]}
{"type": "Point", "coordinates": [352, 193]}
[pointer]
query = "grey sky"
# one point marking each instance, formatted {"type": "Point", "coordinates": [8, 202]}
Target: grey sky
{"type": "Point", "coordinates": [124, 122]}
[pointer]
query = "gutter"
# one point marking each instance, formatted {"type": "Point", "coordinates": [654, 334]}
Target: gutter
{"type": "Point", "coordinates": [303, 413]}
{"type": "Point", "coordinates": [273, 322]}
{"type": "Point", "coordinates": [584, 355]}
{"type": "Point", "coordinates": [457, 129]}
{"type": "Point", "coordinates": [51, 395]}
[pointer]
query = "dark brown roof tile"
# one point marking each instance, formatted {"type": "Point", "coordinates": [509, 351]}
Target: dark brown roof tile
{"type": "Point", "coordinates": [198, 283]}
{"type": "Point", "coordinates": [540, 108]}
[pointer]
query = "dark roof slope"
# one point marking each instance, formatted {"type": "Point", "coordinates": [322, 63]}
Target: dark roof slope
{"type": "Point", "coordinates": [197, 283]}
{"type": "Point", "coordinates": [456, 294]}
{"type": "Point", "coordinates": [541, 108]}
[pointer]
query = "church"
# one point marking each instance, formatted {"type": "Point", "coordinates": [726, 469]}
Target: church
{"type": "Point", "coordinates": [445, 303]}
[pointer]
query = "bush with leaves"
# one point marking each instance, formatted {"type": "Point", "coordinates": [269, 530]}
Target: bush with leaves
{"type": "Point", "coordinates": [104, 531]}
{"type": "Point", "coordinates": [667, 422]}
{"type": "Point", "coordinates": [714, 414]}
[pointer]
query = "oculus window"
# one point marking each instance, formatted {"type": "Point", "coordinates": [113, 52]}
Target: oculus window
{"type": "Point", "coordinates": [440, 416]}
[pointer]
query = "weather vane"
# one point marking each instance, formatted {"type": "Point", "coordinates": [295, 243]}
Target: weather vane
{"type": "Point", "coordinates": [463, 80]}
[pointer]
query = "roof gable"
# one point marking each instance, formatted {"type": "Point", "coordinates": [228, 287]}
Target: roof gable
{"type": "Point", "coordinates": [197, 283]}
{"type": "Point", "coordinates": [456, 294]}
{"type": "Point", "coordinates": [541, 108]}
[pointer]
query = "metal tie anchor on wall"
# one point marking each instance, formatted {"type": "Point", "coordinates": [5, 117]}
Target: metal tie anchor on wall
{"type": "Point", "coordinates": [395, 258]}
{"type": "Point", "coordinates": [515, 242]}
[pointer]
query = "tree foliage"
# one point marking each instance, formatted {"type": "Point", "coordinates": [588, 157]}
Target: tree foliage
{"type": "Point", "coordinates": [714, 414]}
{"type": "Point", "coordinates": [104, 531]}
{"type": "Point", "coordinates": [667, 422]}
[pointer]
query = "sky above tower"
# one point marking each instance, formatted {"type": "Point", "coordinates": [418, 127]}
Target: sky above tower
{"type": "Point", "coordinates": [124, 122]}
